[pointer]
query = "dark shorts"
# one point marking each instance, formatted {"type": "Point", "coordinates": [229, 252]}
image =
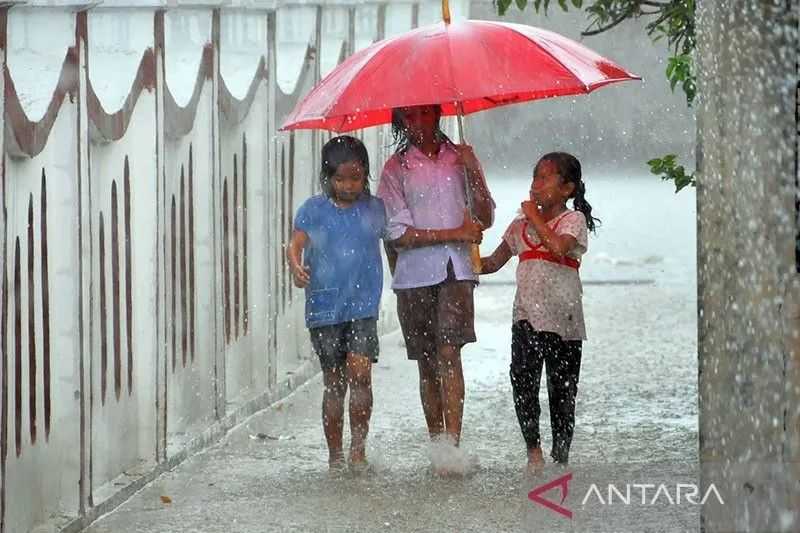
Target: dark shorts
{"type": "Point", "coordinates": [438, 315]}
{"type": "Point", "coordinates": [333, 343]}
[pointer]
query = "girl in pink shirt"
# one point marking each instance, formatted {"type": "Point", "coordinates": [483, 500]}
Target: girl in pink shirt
{"type": "Point", "coordinates": [424, 186]}
{"type": "Point", "coordinates": [548, 328]}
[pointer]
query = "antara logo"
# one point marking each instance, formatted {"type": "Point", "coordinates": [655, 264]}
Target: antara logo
{"type": "Point", "coordinates": [563, 482]}
{"type": "Point", "coordinates": [628, 494]}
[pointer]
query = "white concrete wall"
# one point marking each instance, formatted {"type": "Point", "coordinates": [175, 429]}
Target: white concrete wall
{"type": "Point", "coordinates": [41, 477]}
{"type": "Point", "coordinates": [144, 135]}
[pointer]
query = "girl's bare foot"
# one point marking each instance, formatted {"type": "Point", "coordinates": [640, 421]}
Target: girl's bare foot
{"type": "Point", "coordinates": [535, 461]}
{"type": "Point", "coordinates": [441, 472]}
{"type": "Point", "coordinates": [336, 462]}
{"type": "Point", "coordinates": [447, 473]}
{"type": "Point", "coordinates": [358, 456]}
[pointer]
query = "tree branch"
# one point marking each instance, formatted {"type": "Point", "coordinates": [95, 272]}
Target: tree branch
{"type": "Point", "coordinates": [627, 14]}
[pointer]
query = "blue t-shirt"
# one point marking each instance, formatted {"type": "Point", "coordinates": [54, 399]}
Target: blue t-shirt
{"type": "Point", "coordinates": [343, 253]}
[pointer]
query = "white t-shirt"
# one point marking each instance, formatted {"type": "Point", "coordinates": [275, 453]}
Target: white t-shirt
{"type": "Point", "coordinates": [549, 295]}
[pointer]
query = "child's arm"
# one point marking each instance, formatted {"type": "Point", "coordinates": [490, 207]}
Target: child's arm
{"type": "Point", "coordinates": [391, 256]}
{"type": "Point", "coordinates": [481, 197]}
{"type": "Point", "coordinates": [559, 244]}
{"type": "Point", "coordinates": [294, 254]}
{"type": "Point", "coordinates": [498, 259]}
{"type": "Point", "coordinates": [469, 231]}
{"type": "Point", "coordinates": [401, 232]}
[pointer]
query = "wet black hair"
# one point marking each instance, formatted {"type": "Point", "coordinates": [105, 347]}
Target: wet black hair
{"type": "Point", "coordinates": [342, 149]}
{"type": "Point", "coordinates": [400, 139]}
{"type": "Point", "coordinates": [569, 168]}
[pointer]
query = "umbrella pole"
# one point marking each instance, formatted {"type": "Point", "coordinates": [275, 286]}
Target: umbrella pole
{"type": "Point", "coordinates": [474, 249]}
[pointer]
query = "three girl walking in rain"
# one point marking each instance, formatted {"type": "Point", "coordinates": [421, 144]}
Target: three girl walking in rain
{"type": "Point", "coordinates": [421, 214]}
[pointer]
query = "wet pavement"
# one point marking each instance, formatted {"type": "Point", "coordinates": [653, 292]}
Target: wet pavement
{"type": "Point", "coordinates": [636, 423]}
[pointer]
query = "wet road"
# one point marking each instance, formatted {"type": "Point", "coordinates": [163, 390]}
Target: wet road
{"type": "Point", "coordinates": [637, 422]}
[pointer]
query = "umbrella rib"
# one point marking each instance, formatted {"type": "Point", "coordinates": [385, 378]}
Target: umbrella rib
{"type": "Point", "coordinates": [452, 70]}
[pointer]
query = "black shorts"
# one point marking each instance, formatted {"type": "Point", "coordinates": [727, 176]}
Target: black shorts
{"type": "Point", "coordinates": [333, 343]}
{"type": "Point", "coordinates": [437, 315]}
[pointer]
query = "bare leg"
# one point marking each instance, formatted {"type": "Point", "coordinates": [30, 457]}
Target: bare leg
{"type": "Point", "coordinates": [333, 411]}
{"type": "Point", "coordinates": [359, 379]}
{"type": "Point", "coordinates": [452, 380]}
{"type": "Point", "coordinates": [431, 394]}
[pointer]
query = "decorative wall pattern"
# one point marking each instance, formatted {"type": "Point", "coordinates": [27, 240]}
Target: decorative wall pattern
{"type": "Point", "coordinates": [147, 199]}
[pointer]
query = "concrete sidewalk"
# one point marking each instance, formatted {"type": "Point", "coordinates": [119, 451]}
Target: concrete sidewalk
{"type": "Point", "coordinates": [637, 420]}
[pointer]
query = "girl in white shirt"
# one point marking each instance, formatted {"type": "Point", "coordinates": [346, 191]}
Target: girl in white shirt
{"type": "Point", "coordinates": [548, 328]}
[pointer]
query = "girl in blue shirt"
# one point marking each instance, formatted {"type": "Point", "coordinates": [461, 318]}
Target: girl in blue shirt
{"type": "Point", "coordinates": [334, 254]}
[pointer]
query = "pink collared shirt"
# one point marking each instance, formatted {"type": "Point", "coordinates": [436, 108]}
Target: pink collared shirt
{"type": "Point", "coordinates": [426, 194]}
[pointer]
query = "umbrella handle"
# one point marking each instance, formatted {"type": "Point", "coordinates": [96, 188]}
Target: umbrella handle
{"type": "Point", "coordinates": [474, 249]}
{"type": "Point", "coordinates": [475, 258]}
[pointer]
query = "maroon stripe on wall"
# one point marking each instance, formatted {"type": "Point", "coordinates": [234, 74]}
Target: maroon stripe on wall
{"type": "Point", "coordinates": [128, 273]}
{"type": "Point", "coordinates": [245, 307]}
{"type": "Point", "coordinates": [226, 284]}
{"type": "Point", "coordinates": [191, 255]}
{"type": "Point", "coordinates": [172, 277]}
{"type": "Point", "coordinates": [31, 328]}
{"type": "Point", "coordinates": [103, 313]}
{"type": "Point", "coordinates": [17, 350]}
{"type": "Point", "coordinates": [236, 212]}
{"type": "Point", "coordinates": [184, 321]}
{"type": "Point", "coordinates": [45, 310]}
{"type": "Point", "coordinates": [115, 294]}
{"type": "Point", "coordinates": [281, 208]}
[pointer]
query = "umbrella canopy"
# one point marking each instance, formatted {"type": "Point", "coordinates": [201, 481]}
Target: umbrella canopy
{"type": "Point", "coordinates": [471, 64]}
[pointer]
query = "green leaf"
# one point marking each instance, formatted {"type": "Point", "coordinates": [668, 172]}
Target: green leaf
{"type": "Point", "coordinates": [577, 3]}
{"type": "Point", "coordinates": [502, 6]}
{"type": "Point", "coordinates": [668, 170]}
{"type": "Point", "coordinates": [521, 4]}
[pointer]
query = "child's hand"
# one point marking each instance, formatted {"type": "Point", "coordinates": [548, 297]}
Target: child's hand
{"type": "Point", "coordinates": [531, 210]}
{"type": "Point", "coordinates": [467, 158]}
{"type": "Point", "coordinates": [470, 230]}
{"type": "Point", "coordinates": [301, 275]}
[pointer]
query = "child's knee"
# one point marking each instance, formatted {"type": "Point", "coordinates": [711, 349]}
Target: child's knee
{"type": "Point", "coordinates": [520, 372]}
{"type": "Point", "coordinates": [359, 371]}
{"type": "Point", "coordinates": [360, 379]}
{"type": "Point", "coordinates": [335, 381]}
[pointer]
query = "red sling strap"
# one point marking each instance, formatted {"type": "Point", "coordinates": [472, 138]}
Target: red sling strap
{"type": "Point", "coordinates": [546, 255]}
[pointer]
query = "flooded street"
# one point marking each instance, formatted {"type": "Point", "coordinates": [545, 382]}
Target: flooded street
{"type": "Point", "coordinates": [636, 417]}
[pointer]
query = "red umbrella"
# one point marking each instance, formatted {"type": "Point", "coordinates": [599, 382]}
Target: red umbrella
{"type": "Point", "coordinates": [471, 64]}
{"type": "Point", "coordinates": [464, 67]}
